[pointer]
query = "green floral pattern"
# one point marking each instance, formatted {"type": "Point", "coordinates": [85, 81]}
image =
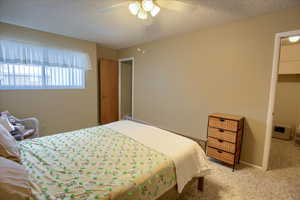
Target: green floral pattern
{"type": "Point", "coordinates": [96, 163]}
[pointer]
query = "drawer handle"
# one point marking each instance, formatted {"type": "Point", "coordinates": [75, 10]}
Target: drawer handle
{"type": "Point", "coordinates": [222, 120]}
{"type": "Point", "coordinates": [219, 151]}
{"type": "Point", "coordinates": [221, 130]}
{"type": "Point", "coordinates": [220, 140]}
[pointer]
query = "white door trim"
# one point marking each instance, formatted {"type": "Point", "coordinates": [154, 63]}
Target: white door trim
{"type": "Point", "coordinates": [132, 89]}
{"type": "Point", "coordinates": [272, 94]}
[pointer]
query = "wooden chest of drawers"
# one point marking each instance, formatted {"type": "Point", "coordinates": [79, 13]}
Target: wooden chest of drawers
{"type": "Point", "coordinates": [224, 137]}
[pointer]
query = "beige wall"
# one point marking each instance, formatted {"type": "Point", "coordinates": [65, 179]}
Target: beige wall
{"type": "Point", "coordinates": [225, 68]}
{"type": "Point", "coordinates": [289, 59]}
{"type": "Point", "coordinates": [287, 102]}
{"type": "Point", "coordinates": [104, 52]}
{"type": "Point", "coordinates": [126, 88]}
{"type": "Point", "coordinates": [57, 110]}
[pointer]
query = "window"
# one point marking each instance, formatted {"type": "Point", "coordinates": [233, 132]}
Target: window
{"type": "Point", "coordinates": [29, 67]}
{"type": "Point", "coordinates": [13, 76]}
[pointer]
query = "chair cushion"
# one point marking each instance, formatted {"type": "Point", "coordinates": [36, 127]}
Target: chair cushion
{"type": "Point", "coordinates": [8, 145]}
{"type": "Point", "coordinates": [4, 121]}
{"type": "Point", "coordinates": [28, 133]}
{"type": "Point", "coordinates": [22, 134]}
{"type": "Point", "coordinates": [14, 181]}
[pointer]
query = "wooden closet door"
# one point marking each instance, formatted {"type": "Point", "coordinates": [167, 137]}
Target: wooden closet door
{"type": "Point", "coordinates": [109, 84]}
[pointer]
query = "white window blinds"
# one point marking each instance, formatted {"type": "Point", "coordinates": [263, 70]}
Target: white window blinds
{"type": "Point", "coordinates": [25, 66]}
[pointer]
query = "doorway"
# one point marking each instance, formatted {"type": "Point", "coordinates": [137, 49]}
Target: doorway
{"type": "Point", "coordinates": [281, 124]}
{"type": "Point", "coordinates": [126, 80]}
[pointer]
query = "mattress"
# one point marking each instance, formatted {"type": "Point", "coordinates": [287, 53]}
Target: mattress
{"type": "Point", "coordinates": [189, 158]}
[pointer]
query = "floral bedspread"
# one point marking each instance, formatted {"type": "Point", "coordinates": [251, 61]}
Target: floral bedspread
{"type": "Point", "coordinates": [95, 163]}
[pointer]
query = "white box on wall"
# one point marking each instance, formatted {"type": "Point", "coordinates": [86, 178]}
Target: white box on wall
{"type": "Point", "coordinates": [283, 132]}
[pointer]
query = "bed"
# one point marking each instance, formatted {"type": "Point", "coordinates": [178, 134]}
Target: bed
{"type": "Point", "coordinates": [121, 160]}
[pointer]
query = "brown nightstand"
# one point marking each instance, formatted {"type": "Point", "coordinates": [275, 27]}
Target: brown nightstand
{"type": "Point", "coordinates": [224, 137]}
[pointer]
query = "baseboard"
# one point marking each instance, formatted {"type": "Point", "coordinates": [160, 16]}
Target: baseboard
{"type": "Point", "coordinates": [251, 165]}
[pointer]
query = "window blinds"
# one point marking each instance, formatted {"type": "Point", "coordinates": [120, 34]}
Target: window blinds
{"type": "Point", "coordinates": [25, 66]}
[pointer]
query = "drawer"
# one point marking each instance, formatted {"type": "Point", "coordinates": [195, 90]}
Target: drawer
{"type": "Point", "coordinates": [226, 124]}
{"type": "Point", "coordinates": [221, 144]}
{"type": "Point", "coordinates": [220, 155]}
{"type": "Point", "coordinates": [222, 134]}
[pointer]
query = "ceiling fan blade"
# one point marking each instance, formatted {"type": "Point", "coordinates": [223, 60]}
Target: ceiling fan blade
{"type": "Point", "coordinates": [190, 2]}
{"type": "Point", "coordinates": [110, 5]}
{"type": "Point", "coordinates": [178, 5]}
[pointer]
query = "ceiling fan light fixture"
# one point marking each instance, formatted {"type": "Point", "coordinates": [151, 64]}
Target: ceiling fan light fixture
{"type": "Point", "coordinates": [142, 14]}
{"type": "Point", "coordinates": [155, 10]}
{"type": "Point", "coordinates": [294, 39]}
{"type": "Point", "coordinates": [147, 5]}
{"type": "Point", "coordinates": [134, 7]}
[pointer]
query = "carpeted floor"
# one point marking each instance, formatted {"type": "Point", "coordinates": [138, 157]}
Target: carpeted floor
{"type": "Point", "coordinates": [280, 183]}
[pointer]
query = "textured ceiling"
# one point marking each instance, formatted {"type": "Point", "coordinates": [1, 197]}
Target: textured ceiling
{"type": "Point", "coordinates": [117, 28]}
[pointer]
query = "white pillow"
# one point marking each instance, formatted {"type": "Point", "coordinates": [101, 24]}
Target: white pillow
{"type": "Point", "coordinates": [8, 146]}
{"type": "Point", "coordinates": [15, 183]}
{"type": "Point", "coordinates": [7, 125]}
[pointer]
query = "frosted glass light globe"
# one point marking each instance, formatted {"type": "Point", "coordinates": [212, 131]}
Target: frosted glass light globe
{"type": "Point", "coordinates": [134, 7]}
{"type": "Point", "coordinates": [155, 10]}
{"type": "Point", "coordinates": [147, 5]}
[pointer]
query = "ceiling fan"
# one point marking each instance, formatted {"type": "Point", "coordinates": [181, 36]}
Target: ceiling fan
{"type": "Point", "coordinates": [145, 8]}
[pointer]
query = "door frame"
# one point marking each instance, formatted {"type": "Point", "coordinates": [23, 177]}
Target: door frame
{"type": "Point", "coordinates": [272, 95]}
{"type": "Point", "coordinates": [132, 86]}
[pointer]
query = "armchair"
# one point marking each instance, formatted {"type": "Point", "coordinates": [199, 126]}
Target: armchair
{"type": "Point", "coordinates": [31, 123]}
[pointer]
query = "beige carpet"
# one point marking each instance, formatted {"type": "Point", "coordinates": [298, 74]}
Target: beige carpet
{"type": "Point", "coordinates": [280, 183]}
